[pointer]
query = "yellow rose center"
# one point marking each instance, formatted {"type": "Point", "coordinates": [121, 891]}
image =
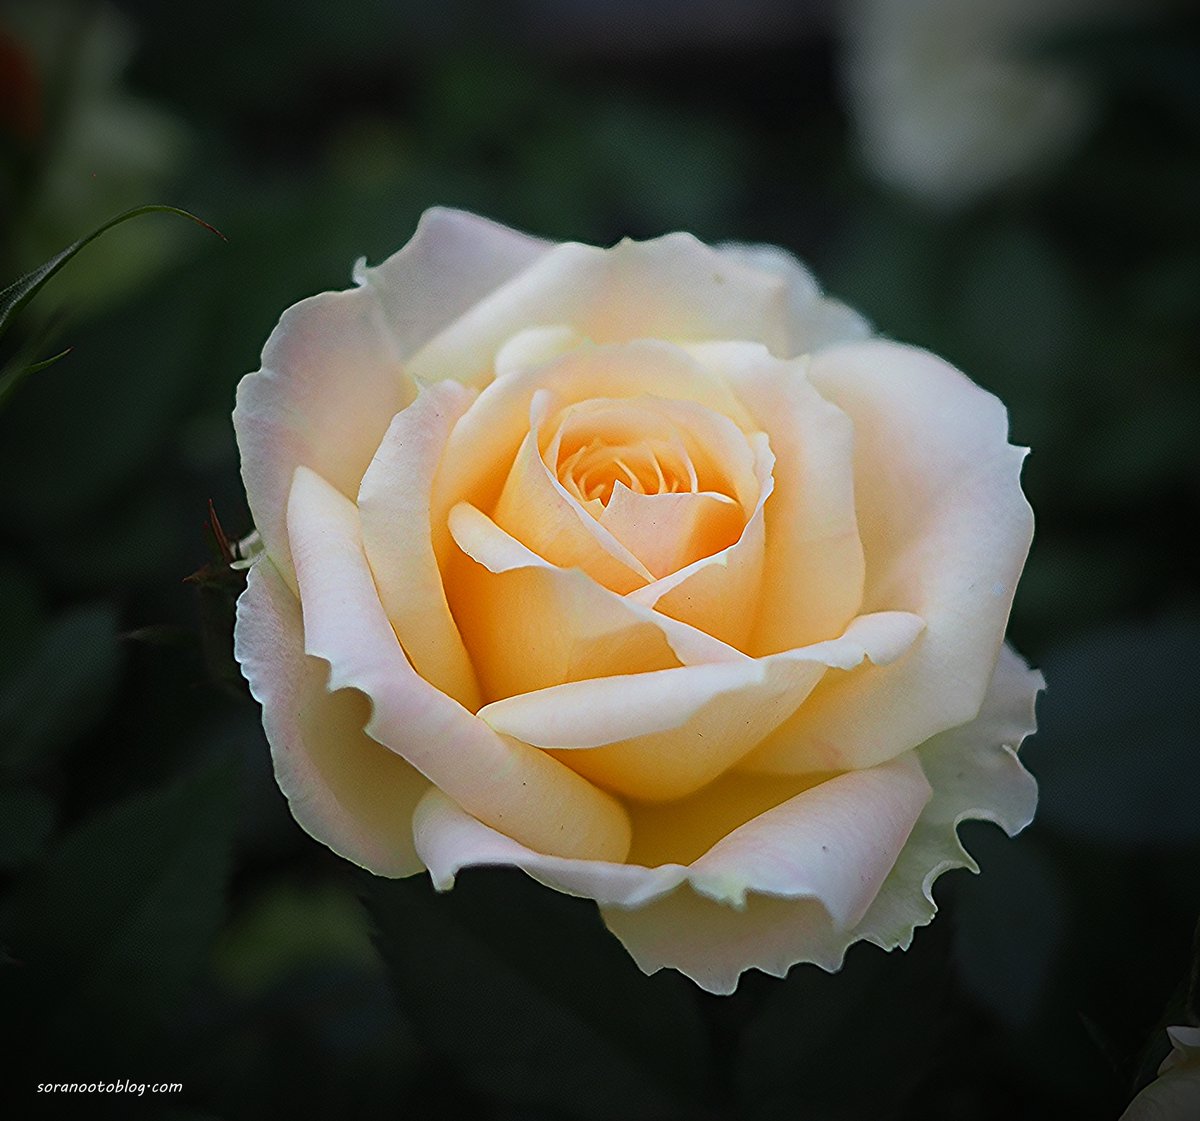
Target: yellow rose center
{"type": "Point", "coordinates": [646, 477]}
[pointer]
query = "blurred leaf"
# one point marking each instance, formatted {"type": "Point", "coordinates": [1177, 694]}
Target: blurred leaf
{"type": "Point", "coordinates": [290, 926]}
{"type": "Point", "coordinates": [1117, 753]}
{"type": "Point", "coordinates": [848, 1045]}
{"type": "Point", "coordinates": [113, 925]}
{"type": "Point", "coordinates": [26, 822]}
{"type": "Point", "coordinates": [1009, 924]}
{"type": "Point", "coordinates": [24, 288]}
{"type": "Point", "coordinates": [523, 991]}
{"type": "Point", "coordinates": [16, 372]}
{"type": "Point", "coordinates": [62, 687]}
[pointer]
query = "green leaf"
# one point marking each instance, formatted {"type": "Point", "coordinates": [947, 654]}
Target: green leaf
{"type": "Point", "coordinates": [24, 288]}
{"type": "Point", "coordinates": [110, 930]}
{"type": "Point", "coordinates": [291, 926]}
{"type": "Point", "coordinates": [524, 993]}
{"type": "Point", "coordinates": [17, 372]}
{"type": "Point", "coordinates": [62, 686]}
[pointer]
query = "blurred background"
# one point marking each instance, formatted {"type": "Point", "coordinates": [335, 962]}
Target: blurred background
{"type": "Point", "coordinates": [1012, 184]}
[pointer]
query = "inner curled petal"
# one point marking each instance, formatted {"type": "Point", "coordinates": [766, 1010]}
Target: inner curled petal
{"type": "Point", "coordinates": [658, 483]}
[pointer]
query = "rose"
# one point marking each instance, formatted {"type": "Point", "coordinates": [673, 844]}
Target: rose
{"type": "Point", "coordinates": [645, 571]}
{"type": "Point", "coordinates": [956, 99]}
{"type": "Point", "coordinates": [1175, 1094]}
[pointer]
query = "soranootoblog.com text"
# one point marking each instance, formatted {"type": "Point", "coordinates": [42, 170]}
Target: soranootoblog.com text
{"type": "Point", "coordinates": [100, 1086]}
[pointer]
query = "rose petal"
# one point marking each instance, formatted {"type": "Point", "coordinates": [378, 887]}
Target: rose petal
{"type": "Point", "coordinates": [332, 375]}
{"type": "Point", "coordinates": [344, 789]}
{"type": "Point", "coordinates": [664, 443]}
{"type": "Point", "coordinates": [601, 293]}
{"type": "Point", "coordinates": [666, 532]}
{"type": "Point", "coordinates": [818, 859]}
{"type": "Point", "coordinates": [664, 734]}
{"type": "Point", "coordinates": [535, 346]}
{"type": "Point", "coordinates": [393, 502]}
{"type": "Point", "coordinates": [505, 783]}
{"type": "Point", "coordinates": [719, 594]}
{"type": "Point", "coordinates": [503, 595]}
{"type": "Point", "coordinates": [702, 443]}
{"type": "Point", "coordinates": [538, 511]}
{"type": "Point", "coordinates": [485, 441]}
{"type": "Point", "coordinates": [330, 383]}
{"type": "Point", "coordinates": [975, 774]}
{"type": "Point", "coordinates": [813, 565]}
{"type": "Point", "coordinates": [454, 260]}
{"type": "Point", "coordinates": [945, 529]}
{"type": "Point", "coordinates": [788, 879]}
{"type": "Point", "coordinates": [814, 321]}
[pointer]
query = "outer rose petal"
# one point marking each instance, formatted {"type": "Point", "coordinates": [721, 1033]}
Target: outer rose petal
{"type": "Point", "coordinates": [945, 530]}
{"type": "Point", "coordinates": [453, 261]}
{"type": "Point", "coordinates": [332, 374]}
{"type": "Point", "coordinates": [973, 772]}
{"type": "Point", "coordinates": [814, 862]}
{"type": "Point", "coordinates": [394, 504]}
{"type": "Point", "coordinates": [662, 735]}
{"type": "Point", "coordinates": [346, 790]}
{"type": "Point", "coordinates": [506, 783]}
{"type": "Point", "coordinates": [698, 293]}
{"type": "Point", "coordinates": [814, 321]}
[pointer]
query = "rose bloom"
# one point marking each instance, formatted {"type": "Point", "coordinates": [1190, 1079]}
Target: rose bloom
{"type": "Point", "coordinates": [957, 99]}
{"type": "Point", "coordinates": [1175, 1094]}
{"type": "Point", "coordinates": [645, 570]}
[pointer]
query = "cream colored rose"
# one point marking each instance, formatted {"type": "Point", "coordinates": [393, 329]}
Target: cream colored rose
{"type": "Point", "coordinates": [1175, 1094]}
{"type": "Point", "coordinates": [955, 99]}
{"type": "Point", "coordinates": [641, 569]}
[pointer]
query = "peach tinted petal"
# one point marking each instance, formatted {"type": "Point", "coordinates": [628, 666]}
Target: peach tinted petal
{"type": "Point", "coordinates": [344, 789]}
{"type": "Point", "coordinates": [332, 374]}
{"type": "Point", "coordinates": [790, 879]}
{"type": "Point", "coordinates": [975, 773]}
{"type": "Point", "coordinates": [788, 886]}
{"type": "Point", "coordinates": [393, 502]}
{"type": "Point", "coordinates": [719, 594]}
{"type": "Point", "coordinates": [536, 509]}
{"type": "Point", "coordinates": [484, 443]}
{"type": "Point", "coordinates": [505, 783]}
{"type": "Point", "coordinates": [814, 321]}
{"type": "Point", "coordinates": [814, 568]}
{"type": "Point", "coordinates": [666, 532]}
{"type": "Point", "coordinates": [503, 596]}
{"type": "Point", "coordinates": [453, 261]}
{"type": "Point", "coordinates": [330, 383]}
{"type": "Point", "coordinates": [945, 530]}
{"type": "Point", "coordinates": [535, 346]}
{"type": "Point", "coordinates": [662, 735]}
{"type": "Point", "coordinates": [449, 839]}
{"type": "Point", "coordinates": [602, 294]}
